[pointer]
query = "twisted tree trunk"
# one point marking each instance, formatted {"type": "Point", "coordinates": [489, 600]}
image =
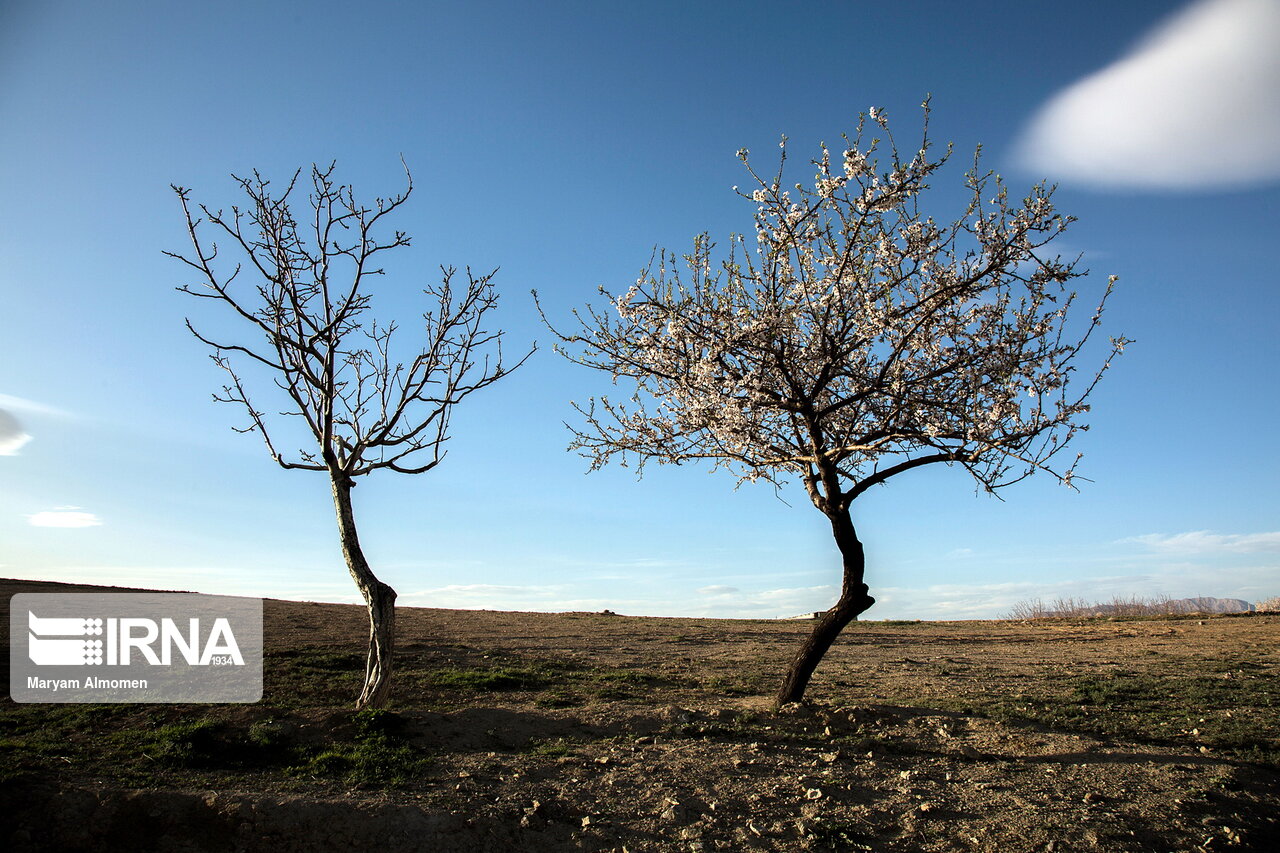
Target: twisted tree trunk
{"type": "Point", "coordinates": [853, 601]}
{"type": "Point", "coordinates": [379, 598]}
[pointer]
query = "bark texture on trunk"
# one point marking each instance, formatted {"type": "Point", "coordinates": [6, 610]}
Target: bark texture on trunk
{"type": "Point", "coordinates": [379, 598]}
{"type": "Point", "coordinates": [853, 601]}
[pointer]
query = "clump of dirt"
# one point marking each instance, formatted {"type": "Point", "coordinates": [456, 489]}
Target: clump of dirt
{"type": "Point", "coordinates": [599, 732]}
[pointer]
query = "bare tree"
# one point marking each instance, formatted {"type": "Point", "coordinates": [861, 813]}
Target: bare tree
{"type": "Point", "coordinates": [307, 314]}
{"type": "Point", "coordinates": [853, 340]}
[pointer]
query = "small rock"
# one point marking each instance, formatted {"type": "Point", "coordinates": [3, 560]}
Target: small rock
{"type": "Point", "coordinates": [813, 793]}
{"type": "Point", "coordinates": [674, 813]}
{"type": "Point", "coordinates": [1092, 797]}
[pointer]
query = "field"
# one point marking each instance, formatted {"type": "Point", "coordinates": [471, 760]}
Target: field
{"type": "Point", "coordinates": [582, 731]}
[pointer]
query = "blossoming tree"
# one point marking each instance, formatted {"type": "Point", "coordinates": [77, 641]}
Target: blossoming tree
{"type": "Point", "coordinates": [853, 340]}
{"type": "Point", "coordinates": [361, 408]}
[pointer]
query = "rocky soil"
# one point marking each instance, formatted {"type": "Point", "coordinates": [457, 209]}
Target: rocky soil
{"type": "Point", "coordinates": [594, 732]}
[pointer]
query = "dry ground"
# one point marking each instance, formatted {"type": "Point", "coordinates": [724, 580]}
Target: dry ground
{"type": "Point", "coordinates": [577, 731]}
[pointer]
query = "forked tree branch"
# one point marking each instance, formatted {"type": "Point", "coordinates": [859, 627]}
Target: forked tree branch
{"type": "Point", "coordinates": [365, 406]}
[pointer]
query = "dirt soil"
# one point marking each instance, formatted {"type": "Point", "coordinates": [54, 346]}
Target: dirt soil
{"type": "Point", "coordinates": [600, 732]}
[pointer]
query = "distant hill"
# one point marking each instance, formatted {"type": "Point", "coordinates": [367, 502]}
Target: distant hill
{"type": "Point", "coordinates": [1203, 604]}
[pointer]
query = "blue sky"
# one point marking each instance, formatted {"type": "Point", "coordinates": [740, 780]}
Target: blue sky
{"type": "Point", "coordinates": [562, 142]}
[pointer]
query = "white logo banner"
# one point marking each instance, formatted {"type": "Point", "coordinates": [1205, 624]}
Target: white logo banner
{"type": "Point", "coordinates": [134, 647]}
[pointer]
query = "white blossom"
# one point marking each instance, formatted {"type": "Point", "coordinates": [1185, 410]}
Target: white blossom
{"type": "Point", "coordinates": [861, 337]}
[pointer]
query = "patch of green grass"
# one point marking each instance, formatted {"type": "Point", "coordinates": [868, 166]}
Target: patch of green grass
{"type": "Point", "coordinates": [34, 735]}
{"type": "Point", "coordinates": [134, 746]}
{"type": "Point", "coordinates": [559, 698]}
{"type": "Point", "coordinates": [312, 677]}
{"type": "Point", "coordinates": [1239, 716]}
{"type": "Point", "coordinates": [548, 748]}
{"type": "Point", "coordinates": [377, 755]}
{"type": "Point", "coordinates": [624, 676]}
{"type": "Point", "coordinates": [562, 684]}
{"type": "Point", "coordinates": [206, 744]}
{"type": "Point", "coordinates": [488, 680]}
{"type": "Point", "coordinates": [199, 743]}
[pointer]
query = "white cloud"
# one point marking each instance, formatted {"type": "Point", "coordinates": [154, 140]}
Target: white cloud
{"type": "Point", "coordinates": [487, 596]}
{"type": "Point", "coordinates": [12, 435]}
{"type": "Point", "coordinates": [66, 516]}
{"type": "Point", "coordinates": [20, 404]}
{"type": "Point", "coordinates": [1195, 104]}
{"type": "Point", "coordinates": [767, 604]}
{"type": "Point", "coordinates": [1207, 542]}
{"type": "Point", "coordinates": [717, 601]}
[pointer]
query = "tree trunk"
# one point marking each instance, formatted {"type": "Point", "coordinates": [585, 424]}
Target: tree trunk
{"type": "Point", "coordinates": [853, 600]}
{"type": "Point", "coordinates": [378, 597]}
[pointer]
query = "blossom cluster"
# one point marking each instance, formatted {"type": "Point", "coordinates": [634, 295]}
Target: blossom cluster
{"type": "Point", "coordinates": [853, 337]}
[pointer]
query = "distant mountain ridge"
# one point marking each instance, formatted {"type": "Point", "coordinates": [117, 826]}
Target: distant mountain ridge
{"type": "Point", "coordinates": [1202, 604]}
{"type": "Point", "coordinates": [1205, 604]}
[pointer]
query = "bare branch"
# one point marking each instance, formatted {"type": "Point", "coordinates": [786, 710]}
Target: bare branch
{"type": "Point", "coordinates": [366, 406]}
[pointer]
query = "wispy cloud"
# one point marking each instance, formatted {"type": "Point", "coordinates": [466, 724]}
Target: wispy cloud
{"type": "Point", "coordinates": [12, 435]}
{"type": "Point", "coordinates": [491, 596]}
{"type": "Point", "coordinates": [1200, 542]}
{"type": "Point", "coordinates": [715, 601]}
{"type": "Point", "coordinates": [1184, 565]}
{"type": "Point", "coordinates": [21, 404]}
{"type": "Point", "coordinates": [1194, 105]}
{"type": "Point", "coordinates": [66, 516]}
{"type": "Point", "coordinates": [762, 604]}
